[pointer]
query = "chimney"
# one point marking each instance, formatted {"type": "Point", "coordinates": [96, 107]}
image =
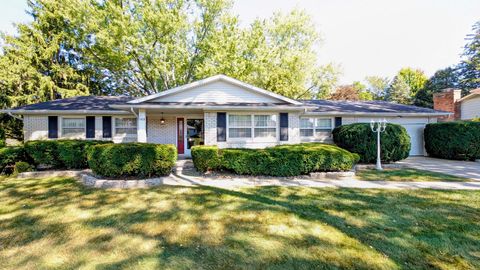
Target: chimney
{"type": "Point", "coordinates": [447, 101]}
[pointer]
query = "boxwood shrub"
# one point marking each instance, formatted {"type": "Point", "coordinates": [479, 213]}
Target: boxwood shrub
{"type": "Point", "coordinates": [132, 159]}
{"type": "Point", "coordinates": [285, 160]}
{"type": "Point", "coordinates": [359, 138]}
{"type": "Point", "coordinates": [9, 156]}
{"type": "Point", "coordinates": [69, 154]}
{"type": "Point", "coordinates": [453, 140]}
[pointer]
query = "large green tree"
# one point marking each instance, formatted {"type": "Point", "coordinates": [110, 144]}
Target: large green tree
{"type": "Point", "coordinates": [442, 79]}
{"type": "Point", "coordinates": [469, 68]}
{"type": "Point", "coordinates": [377, 86]}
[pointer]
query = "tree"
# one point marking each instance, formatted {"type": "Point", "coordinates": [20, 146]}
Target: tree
{"type": "Point", "coordinates": [399, 91]}
{"type": "Point", "coordinates": [469, 68]}
{"type": "Point", "coordinates": [377, 86]}
{"type": "Point", "coordinates": [324, 81]}
{"type": "Point", "coordinates": [414, 78]}
{"type": "Point", "coordinates": [442, 79]}
{"type": "Point", "coordinates": [353, 92]}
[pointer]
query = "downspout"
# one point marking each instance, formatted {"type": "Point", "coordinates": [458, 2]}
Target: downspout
{"type": "Point", "coordinates": [14, 116]}
{"type": "Point", "coordinates": [133, 111]}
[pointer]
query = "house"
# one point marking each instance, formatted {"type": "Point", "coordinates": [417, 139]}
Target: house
{"type": "Point", "coordinates": [215, 111]}
{"type": "Point", "coordinates": [450, 100]}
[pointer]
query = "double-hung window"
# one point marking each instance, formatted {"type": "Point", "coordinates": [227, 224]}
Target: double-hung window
{"type": "Point", "coordinates": [73, 127]}
{"type": "Point", "coordinates": [252, 126]}
{"type": "Point", "coordinates": [126, 126]}
{"type": "Point", "coordinates": [315, 127]}
{"type": "Point", "coordinates": [239, 126]}
{"type": "Point", "coordinates": [265, 126]}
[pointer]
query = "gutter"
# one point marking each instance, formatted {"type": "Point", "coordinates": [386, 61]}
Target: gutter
{"type": "Point", "coordinates": [379, 114]}
{"type": "Point", "coordinates": [67, 112]}
{"type": "Point", "coordinates": [133, 111]}
{"type": "Point", "coordinates": [210, 108]}
{"type": "Point", "coordinates": [14, 116]}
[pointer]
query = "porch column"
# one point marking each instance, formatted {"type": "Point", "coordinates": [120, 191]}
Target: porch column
{"type": "Point", "coordinates": [142, 126]}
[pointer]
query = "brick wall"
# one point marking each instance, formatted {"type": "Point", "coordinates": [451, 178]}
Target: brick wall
{"type": "Point", "coordinates": [447, 101]}
{"type": "Point", "coordinates": [35, 127]}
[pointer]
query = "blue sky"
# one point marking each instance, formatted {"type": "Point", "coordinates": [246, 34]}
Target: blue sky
{"type": "Point", "coordinates": [367, 37]}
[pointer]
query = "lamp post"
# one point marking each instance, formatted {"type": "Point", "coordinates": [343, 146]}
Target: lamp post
{"type": "Point", "coordinates": [378, 127]}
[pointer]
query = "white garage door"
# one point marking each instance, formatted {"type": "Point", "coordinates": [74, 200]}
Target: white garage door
{"type": "Point", "coordinates": [416, 136]}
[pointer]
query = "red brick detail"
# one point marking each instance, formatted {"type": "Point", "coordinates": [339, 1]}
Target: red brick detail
{"type": "Point", "coordinates": [447, 101]}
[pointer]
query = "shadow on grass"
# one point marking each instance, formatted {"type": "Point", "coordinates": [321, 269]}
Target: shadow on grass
{"type": "Point", "coordinates": [213, 228]}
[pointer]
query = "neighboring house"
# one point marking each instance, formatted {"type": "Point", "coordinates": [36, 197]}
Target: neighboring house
{"type": "Point", "coordinates": [215, 111]}
{"type": "Point", "coordinates": [450, 100]}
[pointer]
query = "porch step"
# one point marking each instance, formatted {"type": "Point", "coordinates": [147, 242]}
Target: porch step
{"type": "Point", "coordinates": [185, 166]}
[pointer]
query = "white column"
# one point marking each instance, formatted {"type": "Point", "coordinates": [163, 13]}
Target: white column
{"type": "Point", "coordinates": [142, 126]}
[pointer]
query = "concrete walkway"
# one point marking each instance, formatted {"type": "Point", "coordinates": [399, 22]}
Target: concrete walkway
{"type": "Point", "coordinates": [467, 169]}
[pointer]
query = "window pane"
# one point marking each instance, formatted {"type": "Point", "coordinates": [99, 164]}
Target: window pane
{"type": "Point", "coordinates": [239, 120]}
{"type": "Point", "coordinates": [324, 123]}
{"type": "Point", "coordinates": [126, 126]}
{"type": "Point", "coordinates": [73, 123]}
{"type": "Point", "coordinates": [306, 132]}
{"type": "Point", "coordinates": [265, 132]}
{"type": "Point", "coordinates": [239, 132]}
{"type": "Point", "coordinates": [265, 120]}
{"type": "Point", "coordinates": [306, 122]}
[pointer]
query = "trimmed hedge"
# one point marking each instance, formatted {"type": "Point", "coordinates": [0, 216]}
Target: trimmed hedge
{"type": "Point", "coordinates": [132, 159]}
{"type": "Point", "coordinates": [285, 160]}
{"type": "Point", "coordinates": [453, 140]}
{"type": "Point", "coordinates": [69, 154]}
{"type": "Point", "coordinates": [9, 156]}
{"type": "Point", "coordinates": [22, 166]}
{"type": "Point", "coordinates": [2, 138]}
{"type": "Point", "coordinates": [359, 138]}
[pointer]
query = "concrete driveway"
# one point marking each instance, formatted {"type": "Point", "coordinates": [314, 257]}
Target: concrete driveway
{"type": "Point", "coordinates": [467, 169]}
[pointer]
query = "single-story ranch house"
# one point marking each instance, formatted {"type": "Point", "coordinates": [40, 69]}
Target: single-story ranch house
{"type": "Point", "coordinates": [214, 111]}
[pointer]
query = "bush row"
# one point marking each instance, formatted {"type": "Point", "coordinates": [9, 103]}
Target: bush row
{"type": "Point", "coordinates": [68, 154]}
{"type": "Point", "coordinates": [2, 138]}
{"type": "Point", "coordinates": [132, 159]}
{"type": "Point", "coordinates": [359, 138]}
{"type": "Point", "coordinates": [9, 156]}
{"type": "Point", "coordinates": [453, 140]}
{"type": "Point", "coordinates": [285, 160]}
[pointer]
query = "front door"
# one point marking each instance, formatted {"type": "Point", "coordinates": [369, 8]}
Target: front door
{"type": "Point", "coordinates": [195, 134]}
{"type": "Point", "coordinates": [180, 136]}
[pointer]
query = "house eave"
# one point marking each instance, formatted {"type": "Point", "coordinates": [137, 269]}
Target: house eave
{"type": "Point", "coordinates": [64, 112]}
{"type": "Point", "coordinates": [209, 108]}
{"type": "Point", "coordinates": [385, 114]}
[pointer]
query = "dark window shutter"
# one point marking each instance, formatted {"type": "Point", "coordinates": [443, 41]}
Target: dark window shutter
{"type": "Point", "coordinates": [221, 127]}
{"type": "Point", "coordinates": [90, 127]}
{"type": "Point", "coordinates": [283, 126]}
{"type": "Point", "coordinates": [107, 126]}
{"type": "Point", "coordinates": [53, 127]}
{"type": "Point", "coordinates": [338, 121]}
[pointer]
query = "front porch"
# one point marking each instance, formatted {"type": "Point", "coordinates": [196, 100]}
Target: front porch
{"type": "Point", "coordinates": [181, 128]}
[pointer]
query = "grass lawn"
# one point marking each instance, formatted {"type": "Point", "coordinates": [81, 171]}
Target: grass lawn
{"type": "Point", "coordinates": [407, 175]}
{"type": "Point", "coordinates": [59, 224]}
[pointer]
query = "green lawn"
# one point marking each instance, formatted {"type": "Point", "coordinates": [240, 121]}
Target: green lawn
{"type": "Point", "coordinates": [407, 175]}
{"type": "Point", "coordinates": [59, 224]}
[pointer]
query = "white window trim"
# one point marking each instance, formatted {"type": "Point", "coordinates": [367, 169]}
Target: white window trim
{"type": "Point", "coordinates": [314, 137]}
{"type": "Point", "coordinates": [252, 138]}
{"type": "Point", "coordinates": [60, 131]}
{"type": "Point", "coordinates": [114, 128]}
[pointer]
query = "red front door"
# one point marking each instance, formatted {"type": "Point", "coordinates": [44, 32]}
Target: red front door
{"type": "Point", "coordinates": [180, 136]}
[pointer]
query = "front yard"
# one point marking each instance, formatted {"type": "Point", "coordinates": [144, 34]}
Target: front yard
{"type": "Point", "coordinates": [408, 175]}
{"type": "Point", "coordinates": [59, 224]}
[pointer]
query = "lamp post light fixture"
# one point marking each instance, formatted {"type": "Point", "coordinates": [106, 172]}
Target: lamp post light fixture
{"type": "Point", "coordinates": [378, 127]}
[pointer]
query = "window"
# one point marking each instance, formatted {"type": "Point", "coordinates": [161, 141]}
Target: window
{"type": "Point", "coordinates": [73, 126]}
{"type": "Point", "coordinates": [239, 126]}
{"type": "Point", "coordinates": [265, 126]}
{"type": "Point", "coordinates": [318, 127]}
{"type": "Point", "coordinates": [248, 126]}
{"type": "Point", "coordinates": [126, 126]}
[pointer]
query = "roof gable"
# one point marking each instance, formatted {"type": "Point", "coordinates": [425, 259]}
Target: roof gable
{"type": "Point", "coordinates": [220, 89]}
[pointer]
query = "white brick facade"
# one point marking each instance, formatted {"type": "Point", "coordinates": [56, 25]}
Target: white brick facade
{"type": "Point", "coordinates": [35, 127]}
{"type": "Point", "coordinates": [162, 134]}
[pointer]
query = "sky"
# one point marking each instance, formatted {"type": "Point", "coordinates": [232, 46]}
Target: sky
{"type": "Point", "coordinates": [366, 37]}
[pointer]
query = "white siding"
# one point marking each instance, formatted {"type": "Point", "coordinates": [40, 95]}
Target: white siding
{"type": "Point", "coordinates": [470, 108]}
{"type": "Point", "coordinates": [221, 92]}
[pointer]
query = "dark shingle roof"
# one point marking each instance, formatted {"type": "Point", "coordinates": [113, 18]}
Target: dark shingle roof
{"type": "Point", "coordinates": [332, 106]}
{"type": "Point", "coordinates": [98, 103]}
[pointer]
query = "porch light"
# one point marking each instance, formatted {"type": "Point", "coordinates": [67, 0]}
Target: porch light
{"type": "Point", "coordinates": [162, 121]}
{"type": "Point", "coordinates": [378, 127]}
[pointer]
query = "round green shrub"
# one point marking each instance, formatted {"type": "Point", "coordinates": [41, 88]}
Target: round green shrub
{"type": "Point", "coordinates": [2, 138]}
{"type": "Point", "coordinates": [284, 160]}
{"type": "Point", "coordinates": [359, 138]}
{"type": "Point", "coordinates": [22, 166]}
{"type": "Point", "coordinates": [205, 158]}
{"type": "Point", "coordinates": [9, 156]}
{"type": "Point", "coordinates": [453, 140]}
{"type": "Point", "coordinates": [131, 159]}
